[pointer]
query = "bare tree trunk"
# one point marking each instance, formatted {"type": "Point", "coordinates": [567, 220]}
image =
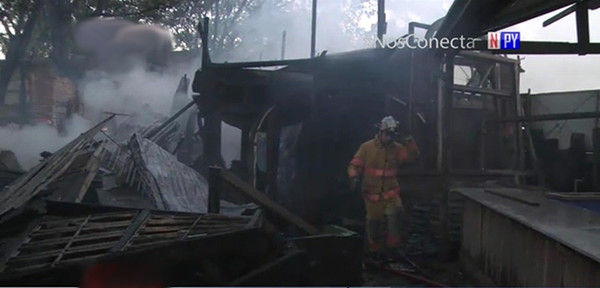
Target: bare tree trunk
{"type": "Point", "coordinates": [16, 50]}
{"type": "Point", "coordinates": [60, 22]}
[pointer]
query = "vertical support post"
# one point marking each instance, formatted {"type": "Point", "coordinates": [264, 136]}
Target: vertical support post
{"type": "Point", "coordinates": [204, 37]}
{"type": "Point", "coordinates": [596, 161]}
{"type": "Point", "coordinates": [583, 26]}
{"type": "Point", "coordinates": [246, 145]}
{"type": "Point", "coordinates": [283, 45]}
{"type": "Point", "coordinates": [381, 24]}
{"type": "Point", "coordinates": [482, 133]}
{"type": "Point", "coordinates": [273, 140]}
{"type": "Point", "coordinates": [411, 86]}
{"type": "Point", "coordinates": [448, 96]}
{"type": "Point", "coordinates": [597, 120]}
{"type": "Point", "coordinates": [217, 20]}
{"type": "Point", "coordinates": [440, 119]}
{"type": "Point", "coordinates": [520, 110]}
{"type": "Point", "coordinates": [447, 150]}
{"type": "Point", "coordinates": [212, 147]}
{"type": "Point", "coordinates": [313, 33]}
{"type": "Point", "coordinates": [214, 189]}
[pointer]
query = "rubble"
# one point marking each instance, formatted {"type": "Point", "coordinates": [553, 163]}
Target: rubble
{"type": "Point", "coordinates": [117, 194]}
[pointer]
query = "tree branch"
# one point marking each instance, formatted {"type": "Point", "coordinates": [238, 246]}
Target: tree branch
{"type": "Point", "coordinates": [7, 29]}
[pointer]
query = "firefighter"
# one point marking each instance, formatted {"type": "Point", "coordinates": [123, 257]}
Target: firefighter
{"type": "Point", "coordinates": [376, 162]}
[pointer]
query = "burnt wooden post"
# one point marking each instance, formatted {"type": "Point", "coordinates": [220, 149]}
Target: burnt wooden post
{"type": "Point", "coordinates": [273, 140]}
{"type": "Point", "coordinates": [246, 145]}
{"type": "Point", "coordinates": [447, 143]}
{"type": "Point", "coordinates": [596, 161]}
{"type": "Point", "coordinates": [212, 147]}
{"type": "Point", "coordinates": [214, 189]}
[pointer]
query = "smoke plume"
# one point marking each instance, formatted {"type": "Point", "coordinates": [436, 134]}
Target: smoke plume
{"type": "Point", "coordinates": [29, 141]}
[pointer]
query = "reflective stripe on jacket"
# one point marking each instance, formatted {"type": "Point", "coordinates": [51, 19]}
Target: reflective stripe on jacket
{"type": "Point", "coordinates": [378, 166]}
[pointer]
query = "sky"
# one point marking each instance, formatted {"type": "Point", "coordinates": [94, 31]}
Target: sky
{"type": "Point", "coordinates": [543, 73]}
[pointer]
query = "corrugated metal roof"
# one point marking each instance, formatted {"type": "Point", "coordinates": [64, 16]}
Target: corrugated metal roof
{"type": "Point", "coordinates": [471, 18]}
{"type": "Point", "coordinates": [180, 187]}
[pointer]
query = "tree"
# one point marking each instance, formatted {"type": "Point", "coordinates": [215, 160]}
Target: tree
{"type": "Point", "coordinates": [18, 19]}
{"type": "Point", "coordinates": [37, 29]}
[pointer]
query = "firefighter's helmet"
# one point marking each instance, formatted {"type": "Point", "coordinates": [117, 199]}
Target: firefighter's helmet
{"type": "Point", "coordinates": [388, 124]}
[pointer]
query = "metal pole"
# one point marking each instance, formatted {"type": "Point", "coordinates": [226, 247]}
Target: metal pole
{"type": "Point", "coordinates": [313, 29]}
{"type": "Point", "coordinates": [283, 45]}
{"type": "Point", "coordinates": [381, 25]}
{"type": "Point", "coordinates": [216, 30]}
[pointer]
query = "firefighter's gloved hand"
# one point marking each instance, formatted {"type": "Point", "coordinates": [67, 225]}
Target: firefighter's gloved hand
{"type": "Point", "coordinates": [354, 182]}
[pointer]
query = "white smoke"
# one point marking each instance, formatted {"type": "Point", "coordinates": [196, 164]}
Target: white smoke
{"type": "Point", "coordinates": [128, 93]}
{"type": "Point", "coordinates": [29, 141]}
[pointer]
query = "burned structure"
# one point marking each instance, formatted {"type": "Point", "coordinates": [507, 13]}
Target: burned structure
{"type": "Point", "coordinates": [331, 103]}
{"type": "Point", "coordinates": [141, 187]}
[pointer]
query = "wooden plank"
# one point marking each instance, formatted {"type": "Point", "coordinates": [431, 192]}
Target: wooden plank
{"type": "Point", "coordinates": [191, 227]}
{"type": "Point", "coordinates": [163, 229]}
{"type": "Point", "coordinates": [278, 272]}
{"type": "Point", "coordinates": [151, 222]}
{"type": "Point", "coordinates": [144, 238]}
{"type": "Point", "coordinates": [80, 238]}
{"type": "Point", "coordinates": [131, 231]}
{"type": "Point", "coordinates": [270, 205]}
{"type": "Point", "coordinates": [512, 196]}
{"type": "Point", "coordinates": [92, 169]}
{"type": "Point", "coordinates": [53, 253]}
{"type": "Point", "coordinates": [100, 227]}
{"type": "Point", "coordinates": [574, 195]}
{"type": "Point", "coordinates": [256, 217]}
{"type": "Point", "coordinates": [68, 245]}
{"type": "Point", "coordinates": [216, 226]}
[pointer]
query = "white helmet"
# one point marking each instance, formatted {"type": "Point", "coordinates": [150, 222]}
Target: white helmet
{"type": "Point", "coordinates": [388, 123]}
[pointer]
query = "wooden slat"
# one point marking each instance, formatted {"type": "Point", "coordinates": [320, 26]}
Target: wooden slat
{"type": "Point", "coordinates": [192, 227]}
{"type": "Point", "coordinates": [53, 253]}
{"type": "Point", "coordinates": [92, 169]}
{"type": "Point", "coordinates": [214, 226]}
{"type": "Point", "coordinates": [80, 238]}
{"type": "Point", "coordinates": [70, 242]}
{"type": "Point", "coordinates": [267, 203]}
{"type": "Point", "coordinates": [131, 231]}
{"type": "Point", "coordinates": [163, 229]}
{"type": "Point", "coordinates": [89, 227]}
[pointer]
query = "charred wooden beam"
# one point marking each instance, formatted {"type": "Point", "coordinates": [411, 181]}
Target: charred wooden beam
{"type": "Point", "coordinates": [477, 90]}
{"type": "Point", "coordinates": [290, 269]}
{"type": "Point", "coordinates": [550, 117]}
{"type": "Point", "coordinates": [246, 146]}
{"type": "Point", "coordinates": [214, 190]}
{"type": "Point", "coordinates": [273, 141]}
{"type": "Point", "coordinates": [262, 199]}
{"type": "Point", "coordinates": [156, 132]}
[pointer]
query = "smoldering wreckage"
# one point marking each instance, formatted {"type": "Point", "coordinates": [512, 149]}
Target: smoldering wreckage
{"type": "Point", "coordinates": [147, 190]}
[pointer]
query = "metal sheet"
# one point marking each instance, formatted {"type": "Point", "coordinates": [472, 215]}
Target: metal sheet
{"type": "Point", "coordinates": [517, 245]}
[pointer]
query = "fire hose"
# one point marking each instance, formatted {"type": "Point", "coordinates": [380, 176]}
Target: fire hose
{"type": "Point", "coordinates": [410, 276]}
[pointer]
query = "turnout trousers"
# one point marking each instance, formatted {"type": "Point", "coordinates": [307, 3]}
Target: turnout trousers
{"type": "Point", "coordinates": [383, 223]}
